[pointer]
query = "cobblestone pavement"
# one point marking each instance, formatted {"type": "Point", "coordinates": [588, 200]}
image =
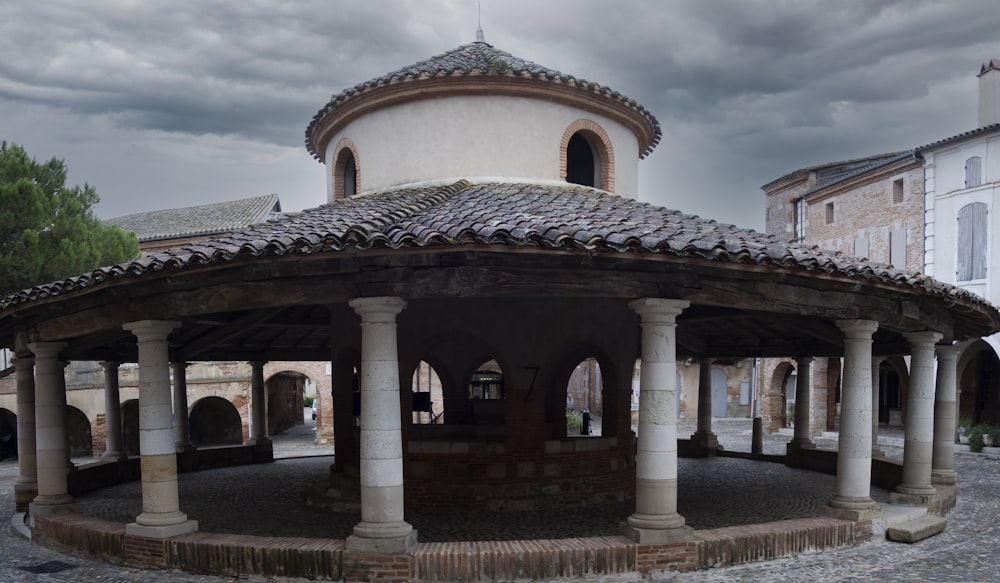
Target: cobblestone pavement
{"type": "Point", "coordinates": [719, 490]}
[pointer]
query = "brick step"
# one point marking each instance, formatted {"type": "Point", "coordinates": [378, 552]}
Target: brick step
{"type": "Point", "coordinates": [917, 530]}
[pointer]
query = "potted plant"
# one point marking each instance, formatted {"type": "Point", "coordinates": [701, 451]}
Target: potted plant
{"type": "Point", "coordinates": [963, 431]}
{"type": "Point", "coordinates": [992, 436]}
{"type": "Point", "coordinates": [976, 440]}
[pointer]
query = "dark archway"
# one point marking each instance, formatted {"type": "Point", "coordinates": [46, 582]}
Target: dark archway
{"type": "Point", "coordinates": [428, 395]}
{"type": "Point", "coordinates": [215, 421]}
{"type": "Point", "coordinates": [582, 163]}
{"type": "Point", "coordinates": [979, 383]}
{"type": "Point", "coordinates": [8, 434]}
{"type": "Point", "coordinates": [78, 432]}
{"type": "Point", "coordinates": [285, 394]}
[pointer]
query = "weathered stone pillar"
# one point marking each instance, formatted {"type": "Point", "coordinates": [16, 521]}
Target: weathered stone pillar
{"type": "Point", "coordinates": [161, 516]}
{"type": "Point", "coordinates": [853, 499]}
{"type": "Point", "coordinates": [382, 528]}
{"type": "Point", "coordinates": [26, 485]}
{"type": "Point", "coordinates": [50, 431]}
{"type": "Point", "coordinates": [876, 375]}
{"type": "Point", "coordinates": [655, 519]}
{"type": "Point", "coordinates": [114, 442]}
{"type": "Point", "coordinates": [258, 404]}
{"type": "Point", "coordinates": [803, 377]}
{"type": "Point", "coordinates": [945, 406]}
{"type": "Point", "coordinates": [918, 431]}
{"type": "Point", "coordinates": [703, 440]}
{"type": "Point", "coordinates": [182, 431]}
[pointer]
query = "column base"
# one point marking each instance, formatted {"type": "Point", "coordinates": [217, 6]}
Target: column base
{"type": "Point", "coordinates": [797, 445]}
{"type": "Point", "coordinates": [52, 505]}
{"type": "Point", "coordinates": [877, 452]}
{"type": "Point", "coordinates": [853, 509]}
{"type": "Point", "coordinates": [906, 495]}
{"type": "Point", "coordinates": [654, 536]}
{"type": "Point", "coordinates": [24, 493]}
{"type": "Point", "coordinates": [704, 443]}
{"type": "Point", "coordinates": [947, 477]}
{"type": "Point", "coordinates": [395, 538]}
{"type": "Point", "coordinates": [161, 531]}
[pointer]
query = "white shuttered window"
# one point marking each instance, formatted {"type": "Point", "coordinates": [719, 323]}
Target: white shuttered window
{"type": "Point", "coordinates": [971, 260]}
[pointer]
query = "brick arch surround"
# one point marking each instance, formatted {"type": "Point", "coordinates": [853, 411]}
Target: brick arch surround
{"type": "Point", "coordinates": [345, 144]}
{"type": "Point", "coordinates": [598, 138]}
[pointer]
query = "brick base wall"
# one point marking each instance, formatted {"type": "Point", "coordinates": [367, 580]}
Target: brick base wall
{"type": "Point", "coordinates": [327, 559]}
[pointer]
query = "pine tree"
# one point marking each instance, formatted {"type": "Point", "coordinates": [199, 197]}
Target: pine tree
{"type": "Point", "coordinates": [48, 231]}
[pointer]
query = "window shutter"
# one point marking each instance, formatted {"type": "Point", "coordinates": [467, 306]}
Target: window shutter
{"type": "Point", "coordinates": [971, 251]}
{"type": "Point", "coordinates": [897, 248]}
{"type": "Point", "coordinates": [979, 241]}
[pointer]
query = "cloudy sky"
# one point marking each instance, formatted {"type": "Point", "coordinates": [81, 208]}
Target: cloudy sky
{"type": "Point", "coordinates": [164, 104]}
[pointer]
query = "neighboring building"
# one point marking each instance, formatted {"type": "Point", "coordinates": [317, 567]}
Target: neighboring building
{"type": "Point", "coordinates": [930, 208]}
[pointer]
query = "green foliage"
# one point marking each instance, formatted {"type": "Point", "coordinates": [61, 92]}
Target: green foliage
{"type": "Point", "coordinates": [48, 231]}
{"type": "Point", "coordinates": [976, 438]}
{"type": "Point", "coordinates": [308, 401]}
{"type": "Point", "coordinates": [574, 421]}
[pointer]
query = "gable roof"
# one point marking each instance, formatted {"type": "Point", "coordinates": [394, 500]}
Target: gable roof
{"type": "Point", "coordinates": [830, 171]}
{"type": "Point", "coordinates": [207, 219]}
{"type": "Point", "coordinates": [479, 60]}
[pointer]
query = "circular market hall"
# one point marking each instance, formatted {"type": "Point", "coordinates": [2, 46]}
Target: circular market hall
{"type": "Point", "coordinates": [481, 217]}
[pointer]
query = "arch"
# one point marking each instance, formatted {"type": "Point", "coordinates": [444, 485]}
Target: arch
{"type": "Point", "coordinates": [8, 434]}
{"type": "Point", "coordinates": [285, 390]}
{"type": "Point", "coordinates": [78, 432]}
{"type": "Point", "coordinates": [215, 421]}
{"type": "Point", "coordinates": [720, 392]}
{"type": "Point", "coordinates": [428, 395]}
{"type": "Point", "coordinates": [584, 397]}
{"type": "Point", "coordinates": [130, 427]}
{"type": "Point", "coordinates": [777, 391]}
{"type": "Point", "coordinates": [602, 171]}
{"type": "Point", "coordinates": [346, 170]}
{"type": "Point", "coordinates": [979, 384]}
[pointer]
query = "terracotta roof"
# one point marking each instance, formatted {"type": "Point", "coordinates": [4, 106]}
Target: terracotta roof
{"type": "Point", "coordinates": [545, 216]}
{"type": "Point", "coordinates": [481, 59]}
{"type": "Point", "coordinates": [207, 219]}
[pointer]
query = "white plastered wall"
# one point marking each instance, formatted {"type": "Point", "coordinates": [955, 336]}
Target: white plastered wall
{"type": "Point", "coordinates": [473, 136]}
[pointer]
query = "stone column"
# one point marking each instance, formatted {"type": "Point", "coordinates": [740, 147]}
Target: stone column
{"type": "Point", "coordinates": [853, 499]}
{"type": "Point", "coordinates": [918, 430]}
{"type": "Point", "coordinates": [114, 442]}
{"type": "Point", "coordinates": [945, 406]}
{"type": "Point", "coordinates": [876, 375]}
{"type": "Point", "coordinates": [182, 431]}
{"type": "Point", "coordinates": [26, 485]}
{"type": "Point", "coordinates": [258, 404]}
{"type": "Point", "coordinates": [50, 431]}
{"type": "Point", "coordinates": [655, 519]}
{"type": "Point", "coordinates": [161, 516]}
{"type": "Point", "coordinates": [803, 377]}
{"type": "Point", "coordinates": [382, 528]}
{"type": "Point", "coordinates": [704, 441]}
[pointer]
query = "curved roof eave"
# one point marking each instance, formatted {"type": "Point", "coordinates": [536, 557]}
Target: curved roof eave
{"type": "Point", "coordinates": [541, 218]}
{"type": "Point", "coordinates": [478, 62]}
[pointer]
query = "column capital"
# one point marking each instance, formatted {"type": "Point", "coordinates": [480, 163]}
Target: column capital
{"type": "Point", "coordinates": [803, 360]}
{"type": "Point", "coordinates": [925, 338]}
{"type": "Point", "coordinates": [110, 365]}
{"type": "Point", "coordinates": [947, 352]}
{"type": "Point", "coordinates": [145, 330]}
{"type": "Point", "coordinates": [658, 310]}
{"type": "Point", "coordinates": [378, 309]}
{"type": "Point", "coordinates": [22, 361]}
{"type": "Point", "coordinates": [257, 363]}
{"type": "Point", "coordinates": [857, 328]}
{"type": "Point", "coordinates": [46, 349]}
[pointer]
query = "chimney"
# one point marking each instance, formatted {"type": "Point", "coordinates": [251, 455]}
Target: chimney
{"type": "Point", "coordinates": [989, 93]}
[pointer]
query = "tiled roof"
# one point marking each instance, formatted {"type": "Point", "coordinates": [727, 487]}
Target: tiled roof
{"type": "Point", "coordinates": [830, 176]}
{"type": "Point", "coordinates": [481, 59]}
{"type": "Point", "coordinates": [834, 168]}
{"type": "Point", "coordinates": [959, 137]}
{"type": "Point", "coordinates": [206, 219]}
{"type": "Point", "coordinates": [543, 216]}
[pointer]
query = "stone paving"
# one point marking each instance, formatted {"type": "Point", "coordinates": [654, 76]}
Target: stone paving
{"type": "Point", "coordinates": [969, 550]}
